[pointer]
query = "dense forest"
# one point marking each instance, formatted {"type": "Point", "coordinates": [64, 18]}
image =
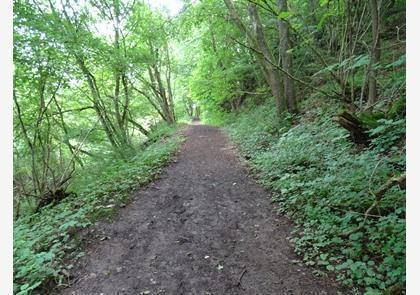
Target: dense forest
{"type": "Point", "coordinates": [312, 93]}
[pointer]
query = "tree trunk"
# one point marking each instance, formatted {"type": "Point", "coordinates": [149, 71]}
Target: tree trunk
{"type": "Point", "coordinates": [257, 39]}
{"type": "Point", "coordinates": [274, 78]}
{"type": "Point", "coordinates": [287, 60]}
{"type": "Point", "coordinates": [97, 102]}
{"type": "Point", "coordinates": [375, 53]}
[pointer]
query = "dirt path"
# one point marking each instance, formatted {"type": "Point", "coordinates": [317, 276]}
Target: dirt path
{"type": "Point", "coordinates": [204, 227]}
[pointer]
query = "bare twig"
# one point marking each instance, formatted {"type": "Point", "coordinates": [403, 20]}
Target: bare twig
{"type": "Point", "coordinates": [400, 180]}
{"type": "Point", "coordinates": [383, 189]}
{"type": "Point", "coordinates": [284, 71]}
{"type": "Point", "coordinates": [240, 277]}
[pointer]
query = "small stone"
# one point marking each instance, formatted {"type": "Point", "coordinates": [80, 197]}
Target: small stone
{"type": "Point", "coordinates": [119, 269]}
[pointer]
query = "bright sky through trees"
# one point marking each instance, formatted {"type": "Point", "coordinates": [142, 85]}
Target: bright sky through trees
{"type": "Point", "coordinates": [171, 6]}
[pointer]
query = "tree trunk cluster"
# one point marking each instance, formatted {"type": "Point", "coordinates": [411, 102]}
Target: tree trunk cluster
{"type": "Point", "coordinates": [281, 86]}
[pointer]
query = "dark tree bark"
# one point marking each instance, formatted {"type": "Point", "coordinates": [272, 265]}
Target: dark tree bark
{"type": "Point", "coordinates": [357, 131]}
{"type": "Point", "coordinates": [274, 78]}
{"type": "Point", "coordinates": [257, 40]}
{"type": "Point", "coordinates": [375, 53]}
{"type": "Point", "coordinates": [287, 60]}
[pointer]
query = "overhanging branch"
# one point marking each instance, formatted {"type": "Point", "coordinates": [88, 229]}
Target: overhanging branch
{"type": "Point", "coordinates": [284, 71]}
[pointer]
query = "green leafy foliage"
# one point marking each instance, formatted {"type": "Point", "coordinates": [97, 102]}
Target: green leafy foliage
{"type": "Point", "coordinates": [324, 185]}
{"type": "Point", "coordinates": [83, 93]}
{"type": "Point", "coordinates": [42, 240]}
{"type": "Point", "coordinates": [388, 133]}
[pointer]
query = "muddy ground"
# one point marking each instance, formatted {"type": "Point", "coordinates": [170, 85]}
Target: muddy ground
{"type": "Point", "coordinates": [204, 227]}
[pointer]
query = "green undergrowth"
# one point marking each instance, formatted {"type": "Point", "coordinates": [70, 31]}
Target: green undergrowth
{"type": "Point", "coordinates": [325, 184]}
{"type": "Point", "coordinates": [44, 239]}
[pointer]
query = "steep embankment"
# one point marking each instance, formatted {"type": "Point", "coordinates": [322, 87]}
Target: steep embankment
{"type": "Point", "coordinates": [325, 184]}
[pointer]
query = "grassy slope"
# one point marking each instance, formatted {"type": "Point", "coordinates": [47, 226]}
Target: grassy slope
{"type": "Point", "coordinates": [42, 240]}
{"type": "Point", "coordinates": [324, 184]}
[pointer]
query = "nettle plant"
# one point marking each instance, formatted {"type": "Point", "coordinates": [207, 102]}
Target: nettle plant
{"type": "Point", "coordinates": [322, 182]}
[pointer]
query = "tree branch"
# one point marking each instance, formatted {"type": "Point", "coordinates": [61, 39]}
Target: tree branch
{"type": "Point", "coordinates": [284, 71]}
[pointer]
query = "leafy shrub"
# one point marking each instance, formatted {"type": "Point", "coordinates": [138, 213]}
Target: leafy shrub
{"type": "Point", "coordinates": [256, 129]}
{"type": "Point", "coordinates": [325, 186]}
{"type": "Point", "coordinates": [387, 133]}
{"type": "Point", "coordinates": [215, 116]}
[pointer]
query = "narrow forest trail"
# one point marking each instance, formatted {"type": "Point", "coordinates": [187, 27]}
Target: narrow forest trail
{"type": "Point", "coordinates": [204, 227]}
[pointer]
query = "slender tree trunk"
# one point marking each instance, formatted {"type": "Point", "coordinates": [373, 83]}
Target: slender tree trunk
{"type": "Point", "coordinates": [287, 60]}
{"type": "Point", "coordinates": [161, 88]}
{"type": "Point", "coordinates": [170, 97]}
{"type": "Point", "coordinates": [274, 78]}
{"type": "Point", "coordinates": [375, 53]}
{"type": "Point", "coordinates": [276, 90]}
{"type": "Point", "coordinates": [257, 40]}
{"type": "Point", "coordinates": [96, 102]}
{"type": "Point", "coordinates": [119, 73]}
{"type": "Point", "coordinates": [124, 116]}
{"type": "Point", "coordinates": [66, 133]}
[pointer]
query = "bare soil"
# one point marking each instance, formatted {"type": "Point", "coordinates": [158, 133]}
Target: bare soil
{"type": "Point", "coordinates": [204, 227]}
